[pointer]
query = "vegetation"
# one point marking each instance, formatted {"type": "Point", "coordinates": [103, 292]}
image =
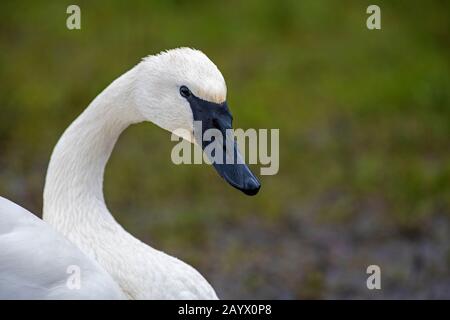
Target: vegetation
{"type": "Point", "coordinates": [364, 119]}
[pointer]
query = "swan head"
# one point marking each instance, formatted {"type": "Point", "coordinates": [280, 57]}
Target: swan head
{"type": "Point", "coordinates": [180, 88]}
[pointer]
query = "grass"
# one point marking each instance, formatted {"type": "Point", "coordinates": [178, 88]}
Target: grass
{"type": "Point", "coordinates": [364, 116]}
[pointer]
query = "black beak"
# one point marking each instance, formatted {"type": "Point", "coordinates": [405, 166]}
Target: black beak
{"type": "Point", "coordinates": [232, 167]}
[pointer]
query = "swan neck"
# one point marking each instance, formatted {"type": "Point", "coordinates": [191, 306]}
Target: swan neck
{"type": "Point", "coordinates": [74, 183]}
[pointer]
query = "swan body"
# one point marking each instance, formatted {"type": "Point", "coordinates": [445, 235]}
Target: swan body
{"type": "Point", "coordinates": [35, 260]}
{"type": "Point", "coordinates": [74, 204]}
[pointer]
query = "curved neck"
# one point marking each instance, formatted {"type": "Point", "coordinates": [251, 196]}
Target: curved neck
{"type": "Point", "coordinates": [73, 190]}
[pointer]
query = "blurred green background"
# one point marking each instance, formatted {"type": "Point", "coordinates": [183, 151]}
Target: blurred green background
{"type": "Point", "coordinates": [364, 119]}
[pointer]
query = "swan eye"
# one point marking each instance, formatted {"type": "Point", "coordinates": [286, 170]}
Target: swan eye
{"type": "Point", "coordinates": [185, 92]}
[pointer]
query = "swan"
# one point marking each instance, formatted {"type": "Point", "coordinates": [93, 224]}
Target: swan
{"type": "Point", "coordinates": [171, 89]}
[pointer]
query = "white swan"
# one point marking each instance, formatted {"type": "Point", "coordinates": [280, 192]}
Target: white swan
{"type": "Point", "coordinates": [171, 89]}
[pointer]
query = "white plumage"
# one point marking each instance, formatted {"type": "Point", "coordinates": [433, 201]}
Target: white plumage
{"type": "Point", "coordinates": [78, 228]}
{"type": "Point", "coordinates": [35, 261]}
